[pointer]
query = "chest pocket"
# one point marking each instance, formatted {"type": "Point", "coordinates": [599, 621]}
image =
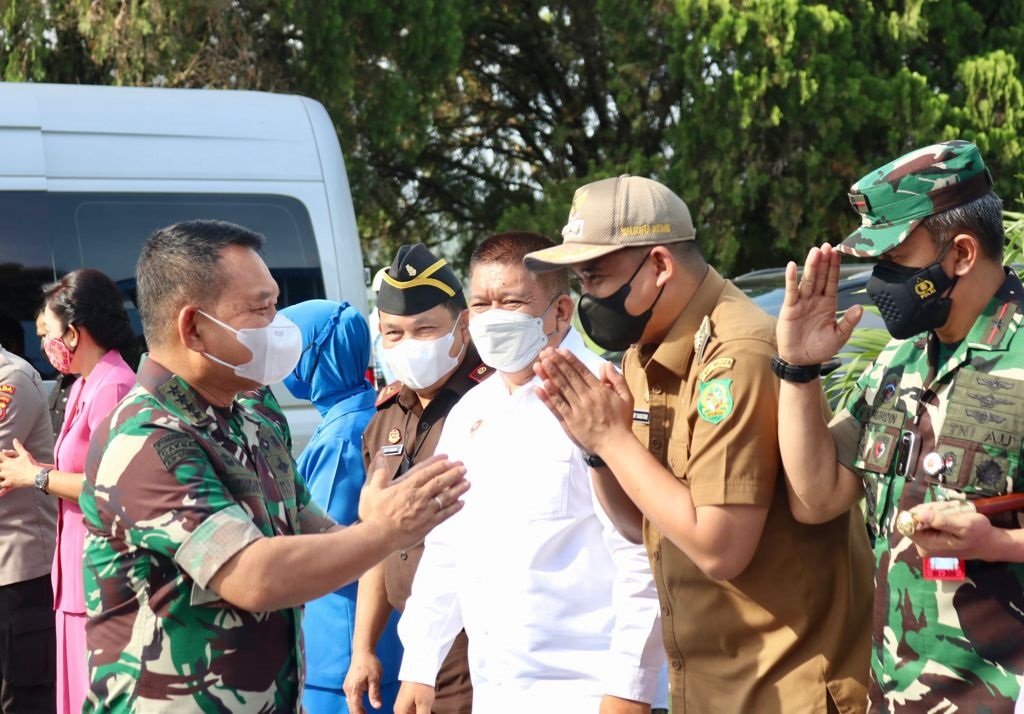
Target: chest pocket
{"type": "Point", "coordinates": [677, 453]}
{"type": "Point", "coordinates": [980, 440]}
{"type": "Point", "coordinates": [878, 448]}
{"type": "Point", "coordinates": [542, 491]}
{"type": "Point", "coordinates": [879, 442]}
{"type": "Point", "coordinates": [244, 486]}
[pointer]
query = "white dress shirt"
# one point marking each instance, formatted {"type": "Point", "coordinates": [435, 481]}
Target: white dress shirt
{"type": "Point", "coordinates": [560, 609]}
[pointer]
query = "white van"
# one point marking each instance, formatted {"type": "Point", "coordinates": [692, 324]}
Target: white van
{"type": "Point", "coordinates": [87, 173]}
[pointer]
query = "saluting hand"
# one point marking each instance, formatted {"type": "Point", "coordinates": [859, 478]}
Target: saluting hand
{"type": "Point", "coordinates": [411, 505]}
{"type": "Point", "coordinates": [807, 331]}
{"type": "Point", "coordinates": [592, 412]}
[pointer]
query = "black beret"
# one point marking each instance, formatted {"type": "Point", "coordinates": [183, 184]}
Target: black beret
{"type": "Point", "coordinates": [417, 281]}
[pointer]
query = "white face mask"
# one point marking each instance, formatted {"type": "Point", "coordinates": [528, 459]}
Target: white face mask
{"type": "Point", "coordinates": [276, 349]}
{"type": "Point", "coordinates": [508, 340]}
{"type": "Point", "coordinates": [421, 363]}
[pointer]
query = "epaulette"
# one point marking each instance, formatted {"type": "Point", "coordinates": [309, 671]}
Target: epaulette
{"type": "Point", "coordinates": [481, 373]}
{"type": "Point", "coordinates": [700, 339]}
{"type": "Point", "coordinates": [388, 393]}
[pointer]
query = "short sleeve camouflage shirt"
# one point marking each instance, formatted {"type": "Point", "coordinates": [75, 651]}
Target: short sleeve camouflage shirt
{"type": "Point", "coordinates": [176, 490]}
{"type": "Point", "coordinates": [942, 645]}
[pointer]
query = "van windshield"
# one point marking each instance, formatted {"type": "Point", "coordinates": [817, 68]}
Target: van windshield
{"type": "Point", "coordinates": [44, 235]}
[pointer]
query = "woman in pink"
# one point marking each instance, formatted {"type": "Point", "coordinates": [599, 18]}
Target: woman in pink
{"type": "Point", "coordinates": [86, 326]}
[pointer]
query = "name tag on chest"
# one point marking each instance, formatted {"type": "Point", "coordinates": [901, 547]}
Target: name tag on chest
{"type": "Point", "coordinates": [641, 416]}
{"type": "Point", "coordinates": [392, 449]}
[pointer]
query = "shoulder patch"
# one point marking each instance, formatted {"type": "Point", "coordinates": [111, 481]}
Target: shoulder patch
{"type": "Point", "coordinates": [388, 393]}
{"type": "Point", "coordinates": [5, 401]}
{"type": "Point", "coordinates": [481, 373]}
{"type": "Point", "coordinates": [714, 365]}
{"type": "Point", "coordinates": [715, 402]}
{"type": "Point", "coordinates": [7, 389]}
{"type": "Point", "coordinates": [999, 323]}
{"type": "Point", "coordinates": [176, 447]}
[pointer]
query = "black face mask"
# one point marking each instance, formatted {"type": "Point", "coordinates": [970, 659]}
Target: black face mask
{"type": "Point", "coordinates": [911, 299]}
{"type": "Point", "coordinates": [606, 321]}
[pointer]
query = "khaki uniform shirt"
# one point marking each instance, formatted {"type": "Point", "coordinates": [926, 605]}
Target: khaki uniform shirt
{"type": "Point", "coordinates": [404, 433]}
{"type": "Point", "coordinates": [28, 517]}
{"type": "Point", "coordinates": [792, 628]}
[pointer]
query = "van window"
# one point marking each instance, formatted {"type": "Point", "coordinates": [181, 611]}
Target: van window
{"type": "Point", "coordinates": [44, 235]}
{"type": "Point", "coordinates": [26, 263]}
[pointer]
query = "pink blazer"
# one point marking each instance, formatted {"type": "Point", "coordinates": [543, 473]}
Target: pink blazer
{"type": "Point", "coordinates": [89, 401]}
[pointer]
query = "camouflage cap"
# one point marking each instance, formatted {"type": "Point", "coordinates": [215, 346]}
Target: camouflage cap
{"type": "Point", "coordinates": [417, 281]}
{"type": "Point", "coordinates": [613, 214]}
{"type": "Point", "coordinates": [895, 198]}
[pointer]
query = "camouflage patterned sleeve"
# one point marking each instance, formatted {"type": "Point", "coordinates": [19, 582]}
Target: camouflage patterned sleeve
{"type": "Point", "coordinates": [312, 518]}
{"type": "Point", "coordinates": [156, 489]}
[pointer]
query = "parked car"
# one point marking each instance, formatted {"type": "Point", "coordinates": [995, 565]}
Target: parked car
{"type": "Point", "coordinates": [767, 288]}
{"type": "Point", "coordinates": [89, 172]}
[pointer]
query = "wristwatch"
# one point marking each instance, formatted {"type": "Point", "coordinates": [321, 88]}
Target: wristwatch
{"type": "Point", "coordinates": [799, 373]}
{"type": "Point", "coordinates": [594, 461]}
{"type": "Point", "coordinates": [43, 478]}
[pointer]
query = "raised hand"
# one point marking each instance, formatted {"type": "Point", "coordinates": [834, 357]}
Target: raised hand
{"type": "Point", "coordinates": [410, 506]}
{"type": "Point", "coordinates": [807, 331]}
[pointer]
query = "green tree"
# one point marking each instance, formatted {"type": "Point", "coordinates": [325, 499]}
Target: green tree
{"type": "Point", "coordinates": [459, 118]}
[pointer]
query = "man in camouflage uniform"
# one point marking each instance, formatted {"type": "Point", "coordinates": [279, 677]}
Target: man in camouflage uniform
{"type": "Point", "coordinates": [191, 497]}
{"type": "Point", "coordinates": [939, 416]}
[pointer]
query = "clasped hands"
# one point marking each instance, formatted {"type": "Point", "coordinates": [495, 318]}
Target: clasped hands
{"type": "Point", "coordinates": [594, 412]}
{"type": "Point", "coordinates": [18, 468]}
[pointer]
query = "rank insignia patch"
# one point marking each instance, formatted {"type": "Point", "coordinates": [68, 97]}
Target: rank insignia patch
{"type": "Point", "coordinates": [715, 402]}
{"type": "Point", "coordinates": [715, 365]}
{"type": "Point", "coordinates": [700, 339]}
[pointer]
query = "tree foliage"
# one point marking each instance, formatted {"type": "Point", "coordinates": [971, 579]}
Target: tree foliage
{"type": "Point", "coordinates": [459, 118]}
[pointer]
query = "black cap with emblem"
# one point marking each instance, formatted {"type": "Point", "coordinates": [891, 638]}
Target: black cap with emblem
{"type": "Point", "coordinates": [417, 281]}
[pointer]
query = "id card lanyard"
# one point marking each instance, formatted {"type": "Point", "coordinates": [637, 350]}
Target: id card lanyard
{"type": "Point", "coordinates": [933, 568]}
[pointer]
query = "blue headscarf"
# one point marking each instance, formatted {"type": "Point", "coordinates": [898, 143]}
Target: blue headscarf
{"type": "Point", "coordinates": [335, 354]}
{"type": "Point", "coordinates": [332, 374]}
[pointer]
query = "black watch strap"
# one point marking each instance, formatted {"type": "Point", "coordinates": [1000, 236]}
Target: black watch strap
{"type": "Point", "coordinates": [594, 461]}
{"type": "Point", "coordinates": [800, 373]}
